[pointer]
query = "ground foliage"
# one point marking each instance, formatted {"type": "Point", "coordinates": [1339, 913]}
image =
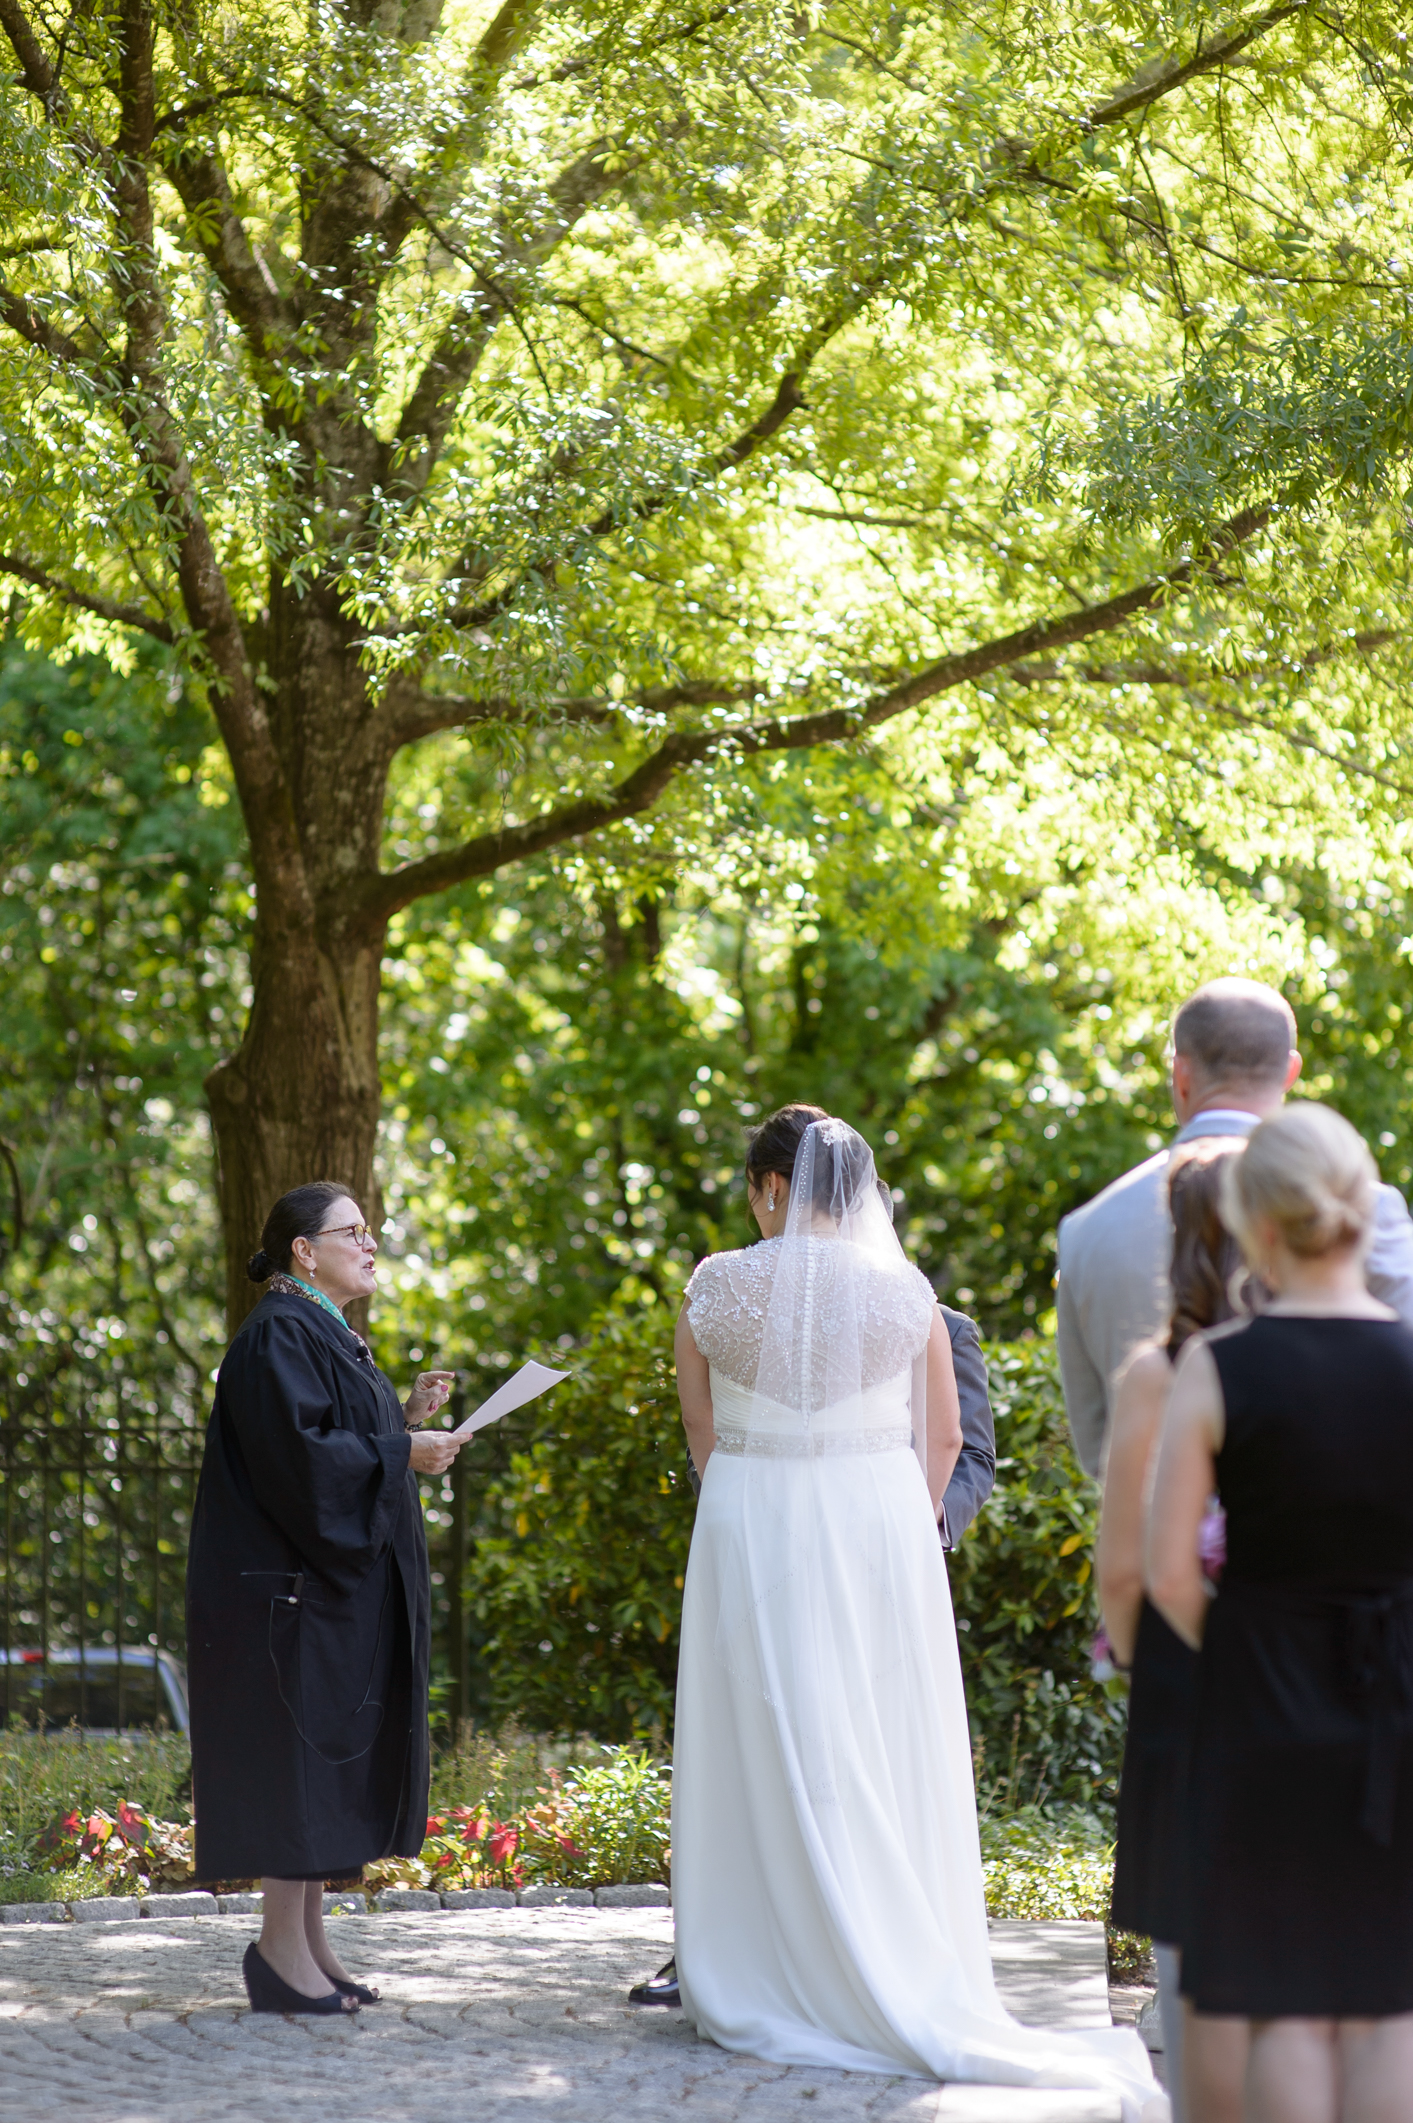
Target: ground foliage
{"type": "Point", "coordinates": [598, 1816]}
{"type": "Point", "coordinates": [47, 1782]}
{"type": "Point", "coordinates": [603, 1818]}
{"type": "Point", "coordinates": [1048, 1864]}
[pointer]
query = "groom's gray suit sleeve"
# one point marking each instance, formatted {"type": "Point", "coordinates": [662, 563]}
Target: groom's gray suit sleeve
{"type": "Point", "coordinates": [975, 1471]}
{"type": "Point", "coordinates": [1388, 1269]}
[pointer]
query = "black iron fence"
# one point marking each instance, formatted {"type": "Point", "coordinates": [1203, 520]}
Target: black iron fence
{"type": "Point", "coordinates": [98, 1472]}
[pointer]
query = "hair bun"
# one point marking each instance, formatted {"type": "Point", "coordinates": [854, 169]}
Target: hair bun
{"type": "Point", "coordinates": [1332, 1223]}
{"type": "Point", "coordinates": [1311, 1174]}
{"type": "Point", "coordinates": [258, 1266]}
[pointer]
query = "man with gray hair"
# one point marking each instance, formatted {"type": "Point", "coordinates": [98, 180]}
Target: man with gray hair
{"type": "Point", "coordinates": [1234, 1059]}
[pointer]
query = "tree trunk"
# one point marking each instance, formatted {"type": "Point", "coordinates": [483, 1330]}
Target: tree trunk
{"type": "Point", "coordinates": [300, 1098]}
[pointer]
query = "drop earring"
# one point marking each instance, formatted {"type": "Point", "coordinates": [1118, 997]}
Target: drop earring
{"type": "Point", "coordinates": [770, 1204]}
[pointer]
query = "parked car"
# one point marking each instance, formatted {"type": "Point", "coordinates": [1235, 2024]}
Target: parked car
{"type": "Point", "coordinates": [81, 1688]}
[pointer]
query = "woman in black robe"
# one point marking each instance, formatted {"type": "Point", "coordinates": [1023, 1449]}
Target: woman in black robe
{"type": "Point", "coordinates": [308, 1602]}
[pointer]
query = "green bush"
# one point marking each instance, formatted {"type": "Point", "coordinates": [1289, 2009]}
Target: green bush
{"type": "Point", "coordinates": [603, 1822]}
{"type": "Point", "coordinates": [1052, 1864]}
{"type": "Point", "coordinates": [579, 1591]}
{"type": "Point", "coordinates": [1022, 1586]}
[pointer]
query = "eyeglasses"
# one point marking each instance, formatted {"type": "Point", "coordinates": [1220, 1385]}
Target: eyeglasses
{"type": "Point", "coordinates": [361, 1234]}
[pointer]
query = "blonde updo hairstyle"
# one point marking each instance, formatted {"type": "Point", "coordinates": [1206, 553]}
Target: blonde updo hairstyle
{"type": "Point", "coordinates": [1312, 1175]}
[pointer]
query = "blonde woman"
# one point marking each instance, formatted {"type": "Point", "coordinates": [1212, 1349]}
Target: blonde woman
{"type": "Point", "coordinates": [1302, 1857]}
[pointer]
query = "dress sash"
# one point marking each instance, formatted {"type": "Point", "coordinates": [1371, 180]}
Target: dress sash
{"type": "Point", "coordinates": [750, 1424]}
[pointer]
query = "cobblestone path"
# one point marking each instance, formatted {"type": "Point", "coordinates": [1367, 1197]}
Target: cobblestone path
{"type": "Point", "coordinates": [513, 2016]}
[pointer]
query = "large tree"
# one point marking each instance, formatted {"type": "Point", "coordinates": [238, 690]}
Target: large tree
{"type": "Point", "coordinates": [614, 393]}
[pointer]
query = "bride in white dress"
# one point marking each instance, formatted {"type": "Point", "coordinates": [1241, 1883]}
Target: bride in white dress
{"type": "Point", "coordinates": [826, 1869]}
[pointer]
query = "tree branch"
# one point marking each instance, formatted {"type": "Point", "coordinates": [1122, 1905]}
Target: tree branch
{"type": "Point", "coordinates": [1349, 763]}
{"type": "Point", "coordinates": [877, 523]}
{"type": "Point", "coordinates": [204, 189]}
{"type": "Point", "coordinates": [1148, 674]}
{"type": "Point", "coordinates": [122, 615]}
{"type": "Point", "coordinates": [504, 34]}
{"type": "Point", "coordinates": [381, 897]}
{"type": "Point", "coordinates": [17, 1192]}
{"type": "Point", "coordinates": [834, 36]}
{"type": "Point", "coordinates": [36, 74]}
{"type": "Point", "coordinates": [31, 324]}
{"type": "Point", "coordinates": [413, 714]}
{"type": "Point", "coordinates": [568, 68]}
{"type": "Point", "coordinates": [1177, 73]}
{"type": "Point", "coordinates": [1195, 684]}
{"type": "Point", "coordinates": [32, 246]}
{"type": "Point", "coordinates": [431, 408]}
{"type": "Point", "coordinates": [789, 396]}
{"type": "Point", "coordinates": [137, 282]}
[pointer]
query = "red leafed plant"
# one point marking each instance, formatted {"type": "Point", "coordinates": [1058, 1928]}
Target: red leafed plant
{"type": "Point", "coordinates": [464, 1848]}
{"type": "Point", "coordinates": [126, 1852]}
{"type": "Point", "coordinates": [605, 1819]}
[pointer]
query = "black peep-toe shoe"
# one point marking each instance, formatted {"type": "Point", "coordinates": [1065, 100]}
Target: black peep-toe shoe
{"type": "Point", "coordinates": [364, 1992]}
{"type": "Point", "coordinates": [268, 1992]}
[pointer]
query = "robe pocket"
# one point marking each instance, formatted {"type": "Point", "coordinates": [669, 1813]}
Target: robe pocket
{"type": "Point", "coordinates": [322, 1666]}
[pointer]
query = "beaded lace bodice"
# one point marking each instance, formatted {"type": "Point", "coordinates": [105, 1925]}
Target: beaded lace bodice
{"type": "Point", "coordinates": [729, 1294]}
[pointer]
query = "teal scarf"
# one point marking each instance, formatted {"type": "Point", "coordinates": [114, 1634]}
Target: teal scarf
{"type": "Point", "coordinates": [319, 1298]}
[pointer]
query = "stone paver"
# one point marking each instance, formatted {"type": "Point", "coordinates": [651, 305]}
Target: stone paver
{"type": "Point", "coordinates": [496, 2015]}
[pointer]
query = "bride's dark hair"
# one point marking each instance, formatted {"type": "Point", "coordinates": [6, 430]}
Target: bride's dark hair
{"type": "Point", "coordinates": [775, 1144]}
{"type": "Point", "coordinates": [1206, 1258]}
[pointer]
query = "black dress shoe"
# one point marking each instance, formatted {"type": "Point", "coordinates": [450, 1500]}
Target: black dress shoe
{"type": "Point", "coordinates": [268, 1992]}
{"type": "Point", "coordinates": [660, 1989]}
{"type": "Point", "coordinates": [362, 1991]}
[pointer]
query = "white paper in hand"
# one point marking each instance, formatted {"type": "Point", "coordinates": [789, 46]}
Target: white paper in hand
{"type": "Point", "coordinates": [529, 1381]}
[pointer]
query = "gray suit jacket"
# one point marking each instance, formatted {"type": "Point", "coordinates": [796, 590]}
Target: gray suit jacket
{"type": "Point", "coordinates": [1114, 1256]}
{"type": "Point", "coordinates": [974, 1475]}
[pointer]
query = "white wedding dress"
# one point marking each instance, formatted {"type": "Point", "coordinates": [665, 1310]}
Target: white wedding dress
{"type": "Point", "coordinates": [826, 1870]}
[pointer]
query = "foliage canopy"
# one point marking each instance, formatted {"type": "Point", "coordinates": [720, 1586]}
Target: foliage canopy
{"type": "Point", "coordinates": [594, 400]}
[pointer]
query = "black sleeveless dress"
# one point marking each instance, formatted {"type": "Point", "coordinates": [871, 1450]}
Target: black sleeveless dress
{"type": "Point", "coordinates": [1302, 1779]}
{"type": "Point", "coordinates": [1151, 1861]}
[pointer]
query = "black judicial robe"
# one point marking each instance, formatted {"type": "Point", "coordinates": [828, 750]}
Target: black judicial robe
{"type": "Point", "coordinates": [308, 1609]}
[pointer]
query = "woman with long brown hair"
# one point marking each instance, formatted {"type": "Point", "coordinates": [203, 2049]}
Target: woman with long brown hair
{"type": "Point", "coordinates": [1150, 1871]}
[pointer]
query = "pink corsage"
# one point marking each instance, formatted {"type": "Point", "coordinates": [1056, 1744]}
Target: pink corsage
{"type": "Point", "coordinates": [1212, 1542]}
